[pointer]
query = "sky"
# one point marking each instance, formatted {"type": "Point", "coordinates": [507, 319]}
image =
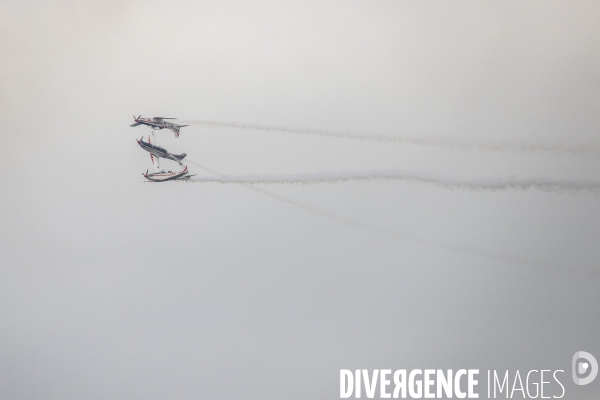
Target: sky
{"type": "Point", "coordinates": [114, 288]}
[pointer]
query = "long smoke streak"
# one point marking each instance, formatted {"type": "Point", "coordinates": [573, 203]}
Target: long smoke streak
{"type": "Point", "coordinates": [479, 184]}
{"type": "Point", "coordinates": [423, 242]}
{"type": "Point", "coordinates": [498, 146]}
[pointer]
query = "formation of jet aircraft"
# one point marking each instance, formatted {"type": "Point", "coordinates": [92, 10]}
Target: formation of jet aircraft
{"type": "Point", "coordinates": [157, 152]}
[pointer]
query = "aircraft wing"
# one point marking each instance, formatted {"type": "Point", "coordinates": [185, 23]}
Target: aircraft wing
{"type": "Point", "coordinates": [156, 162]}
{"type": "Point", "coordinates": [136, 124]}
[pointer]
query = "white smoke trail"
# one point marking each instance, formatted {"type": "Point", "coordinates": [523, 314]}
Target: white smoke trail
{"type": "Point", "coordinates": [396, 235]}
{"type": "Point", "coordinates": [521, 146]}
{"type": "Point", "coordinates": [478, 184]}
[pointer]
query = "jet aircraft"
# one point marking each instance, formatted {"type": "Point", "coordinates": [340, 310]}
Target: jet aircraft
{"type": "Point", "coordinates": [157, 151]}
{"type": "Point", "coordinates": [164, 176]}
{"type": "Point", "coordinates": [157, 123]}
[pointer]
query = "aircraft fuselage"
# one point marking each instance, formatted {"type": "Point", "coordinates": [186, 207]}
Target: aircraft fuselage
{"type": "Point", "coordinates": [158, 123]}
{"type": "Point", "coordinates": [165, 176]}
{"type": "Point", "coordinates": [158, 151]}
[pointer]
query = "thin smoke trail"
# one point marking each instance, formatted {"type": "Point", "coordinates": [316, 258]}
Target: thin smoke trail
{"type": "Point", "coordinates": [498, 146]}
{"type": "Point", "coordinates": [478, 184]}
{"type": "Point", "coordinates": [389, 233]}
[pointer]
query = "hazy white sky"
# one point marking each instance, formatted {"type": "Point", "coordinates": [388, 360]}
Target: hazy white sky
{"type": "Point", "coordinates": [110, 288]}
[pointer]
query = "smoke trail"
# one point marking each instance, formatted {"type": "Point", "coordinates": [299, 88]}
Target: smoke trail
{"type": "Point", "coordinates": [498, 146]}
{"type": "Point", "coordinates": [423, 242]}
{"type": "Point", "coordinates": [478, 184]}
